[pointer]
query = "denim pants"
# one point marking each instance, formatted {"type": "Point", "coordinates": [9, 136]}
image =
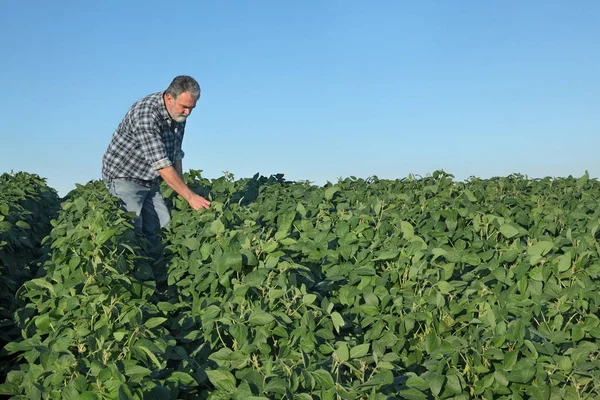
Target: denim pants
{"type": "Point", "coordinates": [147, 203]}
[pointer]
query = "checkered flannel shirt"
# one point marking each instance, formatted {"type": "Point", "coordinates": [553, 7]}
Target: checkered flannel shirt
{"type": "Point", "coordinates": [146, 140]}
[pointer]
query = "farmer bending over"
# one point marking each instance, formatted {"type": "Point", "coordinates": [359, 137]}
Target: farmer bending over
{"type": "Point", "coordinates": [146, 149]}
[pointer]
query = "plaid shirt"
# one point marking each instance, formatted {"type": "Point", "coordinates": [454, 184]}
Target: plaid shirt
{"type": "Point", "coordinates": [146, 140]}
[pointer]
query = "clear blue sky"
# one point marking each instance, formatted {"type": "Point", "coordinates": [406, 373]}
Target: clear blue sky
{"type": "Point", "coordinates": [315, 90]}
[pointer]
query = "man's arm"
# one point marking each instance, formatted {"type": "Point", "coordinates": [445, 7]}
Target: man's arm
{"type": "Point", "coordinates": [172, 178]}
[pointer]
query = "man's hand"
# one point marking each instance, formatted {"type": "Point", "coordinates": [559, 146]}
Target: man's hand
{"type": "Point", "coordinates": [173, 179]}
{"type": "Point", "coordinates": [198, 202]}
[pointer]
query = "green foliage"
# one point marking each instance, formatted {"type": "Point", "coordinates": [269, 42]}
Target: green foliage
{"type": "Point", "coordinates": [90, 326]}
{"type": "Point", "coordinates": [416, 288]}
{"type": "Point", "coordinates": [27, 205]}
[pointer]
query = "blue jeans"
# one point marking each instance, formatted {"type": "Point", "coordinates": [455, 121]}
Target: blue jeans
{"type": "Point", "coordinates": [147, 203]}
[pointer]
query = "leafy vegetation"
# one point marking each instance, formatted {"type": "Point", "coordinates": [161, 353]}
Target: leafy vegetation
{"type": "Point", "coordinates": [27, 205]}
{"type": "Point", "coordinates": [416, 288]}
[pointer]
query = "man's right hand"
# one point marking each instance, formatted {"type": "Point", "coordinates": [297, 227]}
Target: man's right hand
{"type": "Point", "coordinates": [173, 179]}
{"type": "Point", "coordinates": [198, 202]}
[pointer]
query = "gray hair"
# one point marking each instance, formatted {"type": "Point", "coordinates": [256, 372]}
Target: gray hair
{"type": "Point", "coordinates": [184, 83]}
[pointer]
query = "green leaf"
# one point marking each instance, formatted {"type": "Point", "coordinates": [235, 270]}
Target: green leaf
{"type": "Point", "coordinates": [384, 377]}
{"type": "Point", "coordinates": [270, 247]}
{"type": "Point", "coordinates": [471, 259]}
{"type": "Point", "coordinates": [249, 258]}
{"type": "Point", "coordinates": [253, 379]}
{"type": "Point", "coordinates": [360, 350]}
{"type": "Point", "coordinates": [80, 383]}
{"type": "Point", "coordinates": [251, 398]}
{"type": "Point", "coordinates": [541, 391]}
{"type": "Point", "coordinates": [540, 248]}
{"type": "Point", "coordinates": [342, 351]}
{"type": "Point", "coordinates": [329, 192]}
{"type": "Point", "coordinates": [89, 396]}
{"type": "Point", "coordinates": [80, 204]}
{"type": "Point", "coordinates": [22, 224]}
{"type": "Point", "coordinates": [500, 377]}
{"type": "Point", "coordinates": [577, 333]}
{"type": "Point", "coordinates": [583, 180]}
{"type": "Point", "coordinates": [42, 322]}
{"type": "Point", "coordinates": [239, 333]}
{"type": "Point", "coordinates": [387, 255]}
{"type": "Point", "coordinates": [509, 255]}
{"type": "Point", "coordinates": [154, 322]}
{"type": "Point", "coordinates": [217, 227]}
{"type": "Point", "coordinates": [565, 364]}
{"type": "Point", "coordinates": [508, 231]}
{"type": "Point", "coordinates": [323, 379]}
{"type": "Point", "coordinates": [371, 299]}
{"type": "Point", "coordinates": [510, 359]}
{"type": "Point", "coordinates": [150, 355]}
{"type": "Point", "coordinates": [470, 196]}
{"type": "Point", "coordinates": [453, 384]}
{"type": "Point", "coordinates": [192, 244]}
{"type": "Point", "coordinates": [69, 393]}
{"type": "Point", "coordinates": [221, 356]}
{"type": "Point", "coordinates": [183, 378]}
{"type": "Point", "coordinates": [105, 235]}
{"type": "Point", "coordinates": [231, 260]}
{"type": "Point", "coordinates": [256, 277]}
{"type": "Point", "coordinates": [74, 262]}
{"type": "Point", "coordinates": [337, 320]}
{"type": "Point", "coordinates": [408, 231]}
{"type": "Point", "coordinates": [432, 342]}
{"type": "Point", "coordinates": [438, 252]}
{"type": "Point", "coordinates": [564, 262]}
{"type": "Point", "coordinates": [276, 386]}
{"type": "Point", "coordinates": [136, 370]}
{"type": "Point", "coordinates": [9, 388]}
{"type": "Point", "coordinates": [168, 307]}
{"type": "Point", "coordinates": [23, 345]}
{"type": "Point", "coordinates": [489, 317]}
{"type": "Point", "coordinates": [301, 209]}
{"type": "Point", "coordinates": [523, 371]}
{"type": "Point", "coordinates": [309, 298]}
{"type": "Point", "coordinates": [39, 282]}
{"type": "Point", "coordinates": [537, 273]}
{"type": "Point", "coordinates": [445, 287]}
{"type": "Point", "coordinates": [222, 379]}
{"type": "Point", "coordinates": [124, 392]}
{"type": "Point", "coordinates": [288, 241]}
{"type": "Point", "coordinates": [435, 381]}
{"type": "Point", "coordinates": [260, 318]}
{"type": "Point", "coordinates": [413, 394]}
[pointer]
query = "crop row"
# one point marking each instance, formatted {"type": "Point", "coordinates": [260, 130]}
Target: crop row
{"type": "Point", "coordinates": [27, 205]}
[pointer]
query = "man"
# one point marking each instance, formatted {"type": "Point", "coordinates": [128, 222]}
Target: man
{"type": "Point", "coordinates": [146, 149]}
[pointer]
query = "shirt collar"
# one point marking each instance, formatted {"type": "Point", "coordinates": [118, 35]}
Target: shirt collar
{"type": "Point", "coordinates": [162, 108]}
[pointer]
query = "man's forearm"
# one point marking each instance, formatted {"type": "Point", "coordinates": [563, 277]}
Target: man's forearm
{"type": "Point", "coordinates": [173, 178]}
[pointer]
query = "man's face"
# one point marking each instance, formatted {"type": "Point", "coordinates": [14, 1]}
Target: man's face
{"type": "Point", "coordinates": [181, 107]}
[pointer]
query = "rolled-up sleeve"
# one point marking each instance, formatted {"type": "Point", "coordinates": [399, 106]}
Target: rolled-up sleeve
{"type": "Point", "coordinates": [160, 164]}
{"type": "Point", "coordinates": [148, 135]}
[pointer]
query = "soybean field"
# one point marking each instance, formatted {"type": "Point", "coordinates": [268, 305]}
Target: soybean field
{"type": "Point", "coordinates": [414, 288]}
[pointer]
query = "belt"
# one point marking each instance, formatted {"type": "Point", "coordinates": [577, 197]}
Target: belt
{"type": "Point", "coordinates": [143, 182]}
